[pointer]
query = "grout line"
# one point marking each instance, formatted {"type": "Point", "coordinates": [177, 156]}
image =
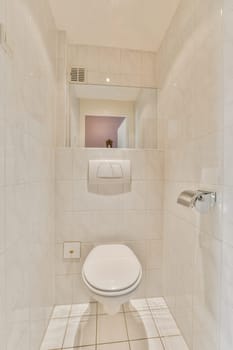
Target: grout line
{"type": "Point", "coordinates": [126, 326]}
{"type": "Point", "coordinates": [70, 310]}
{"type": "Point", "coordinates": [45, 332]}
{"type": "Point", "coordinates": [163, 345]}
{"type": "Point", "coordinates": [155, 323]}
{"type": "Point", "coordinates": [128, 341]}
{"type": "Point", "coordinates": [66, 328]}
{"type": "Point", "coordinates": [84, 346]}
{"type": "Point", "coordinates": [115, 342]}
{"type": "Point", "coordinates": [75, 347]}
{"type": "Point", "coordinates": [105, 314]}
{"type": "Point", "coordinates": [135, 340]}
{"type": "Point", "coordinates": [58, 318]}
{"type": "Point", "coordinates": [96, 325]}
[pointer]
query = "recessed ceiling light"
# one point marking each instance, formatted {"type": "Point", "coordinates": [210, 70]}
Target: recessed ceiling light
{"type": "Point", "coordinates": [108, 80]}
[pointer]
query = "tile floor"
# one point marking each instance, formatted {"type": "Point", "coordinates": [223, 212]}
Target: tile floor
{"type": "Point", "coordinates": [142, 324]}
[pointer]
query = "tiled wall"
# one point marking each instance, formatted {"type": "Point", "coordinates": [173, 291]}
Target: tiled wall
{"type": "Point", "coordinates": [123, 67]}
{"type": "Point", "coordinates": [133, 218]}
{"type": "Point", "coordinates": [27, 101]}
{"type": "Point", "coordinates": [190, 67]}
{"type": "Point", "coordinates": [227, 209]}
{"type": "Point", "coordinates": [146, 119]}
{"type": "Point", "coordinates": [63, 98]}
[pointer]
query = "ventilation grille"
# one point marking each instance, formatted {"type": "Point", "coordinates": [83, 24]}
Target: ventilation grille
{"type": "Point", "coordinates": [78, 75]}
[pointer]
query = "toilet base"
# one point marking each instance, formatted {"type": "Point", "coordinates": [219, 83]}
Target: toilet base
{"type": "Point", "coordinates": [111, 305]}
{"type": "Point", "coordinates": [111, 308]}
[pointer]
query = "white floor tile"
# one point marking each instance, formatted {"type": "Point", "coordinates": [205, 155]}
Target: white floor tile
{"type": "Point", "coordinates": [136, 305]}
{"type": "Point", "coordinates": [83, 309]}
{"type": "Point", "coordinates": [156, 303]}
{"type": "Point", "coordinates": [55, 334]}
{"type": "Point", "coordinates": [80, 331]}
{"type": "Point", "coordinates": [141, 325]}
{"type": "Point", "coordinates": [114, 346]}
{"type": "Point", "coordinates": [61, 311]}
{"type": "Point", "coordinates": [74, 328]}
{"type": "Point", "coordinates": [147, 344]}
{"type": "Point", "coordinates": [165, 322]}
{"type": "Point", "coordinates": [174, 343]}
{"type": "Point", "coordinates": [111, 328]}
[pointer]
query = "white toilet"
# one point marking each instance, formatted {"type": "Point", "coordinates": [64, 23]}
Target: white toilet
{"type": "Point", "coordinates": [112, 273]}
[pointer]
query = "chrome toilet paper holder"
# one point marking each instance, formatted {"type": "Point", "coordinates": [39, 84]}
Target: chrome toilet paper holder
{"type": "Point", "coordinates": [202, 200]}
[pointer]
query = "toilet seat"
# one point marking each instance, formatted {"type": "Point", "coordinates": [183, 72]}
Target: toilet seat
{"type": "Point", "coordinates": [112, 270]}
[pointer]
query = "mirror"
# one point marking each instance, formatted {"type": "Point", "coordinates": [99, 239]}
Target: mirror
{"type": "Point", "coordinates": [112, 116]}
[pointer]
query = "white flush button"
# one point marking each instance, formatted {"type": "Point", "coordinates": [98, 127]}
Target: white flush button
{"type": "Point", "coordinates": [71, 250]}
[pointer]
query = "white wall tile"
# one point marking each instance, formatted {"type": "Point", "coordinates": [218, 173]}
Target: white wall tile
{"type": "Point", "coordinates": [64, 289]}
{"type": "Point", "coordinates": [28, 87]}
{"type": "Point", "coordinates": [191, 133]}
{"type": "Point", "coordinates": [64, 191]}
{"type": "Point", "coordinates": [64, 164]}
{"type": "Point", "coordinates": [154, 287]}
{"type": "Point", "coordinates": [131, 218]}
{"type": "Point", "coordinates": [125, 67]}
{"type": "Point", "coordinates": [79, 290]}
{"type": "Point", "coordinates": [154, 250]}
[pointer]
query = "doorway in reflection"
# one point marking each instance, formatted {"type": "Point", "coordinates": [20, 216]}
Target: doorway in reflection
{"type": "Point", "coordinates": [106, 131]}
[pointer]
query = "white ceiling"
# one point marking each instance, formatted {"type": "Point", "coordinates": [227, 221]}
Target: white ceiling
{"type": "Point", "coordinates": [131, 24]}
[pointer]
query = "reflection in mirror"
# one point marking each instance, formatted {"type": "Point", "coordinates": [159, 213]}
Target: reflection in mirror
{"type": "Point", "coordinates": [110, 132]}
{"type": "Point", "coordinates": [112, 116]}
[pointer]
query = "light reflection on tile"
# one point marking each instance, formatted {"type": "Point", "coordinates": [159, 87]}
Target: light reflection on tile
{"type": "Point", "coordinates": [86, 328]}
{"type": "Point", "coordinates": [174, 343]}
{"type": "Point", "coordinates": [83, 309]}
{"type": "Point", "coordinates": [141, 325]}
{"type": "Point", "coordinates": [61, 311]}
{"type": "Point", "coordinates": [136, 305]}
{"type": "Point", "coordinates": [165, 322]}
{"type": "Point", "coordinates": [80, 331]}
{"type": "Point", "coordinates": [156, 303]}
{"type": "Point", "coordinates": [55, 334]}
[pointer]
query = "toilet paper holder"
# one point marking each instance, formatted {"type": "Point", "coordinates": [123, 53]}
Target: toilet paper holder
{"type": "Point", "coordinates": [202, 200]}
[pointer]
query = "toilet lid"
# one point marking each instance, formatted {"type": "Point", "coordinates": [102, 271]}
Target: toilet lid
{"type": "Point", "coordinates": [111, 267]}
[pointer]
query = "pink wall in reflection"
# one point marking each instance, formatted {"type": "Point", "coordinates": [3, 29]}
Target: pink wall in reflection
{"type": "Point", "coordinates": [99, 129]}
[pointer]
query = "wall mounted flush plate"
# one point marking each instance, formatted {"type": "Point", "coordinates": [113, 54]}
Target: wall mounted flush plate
{"type": "Point", "coordinates": [71, 250]}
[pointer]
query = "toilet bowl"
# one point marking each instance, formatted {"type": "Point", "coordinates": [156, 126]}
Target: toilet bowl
{"type": "Point", "coordinates": [112, 273]}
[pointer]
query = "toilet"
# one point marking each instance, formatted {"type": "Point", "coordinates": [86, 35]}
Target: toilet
{"type": "Point", "coordinates": [112, 274]}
